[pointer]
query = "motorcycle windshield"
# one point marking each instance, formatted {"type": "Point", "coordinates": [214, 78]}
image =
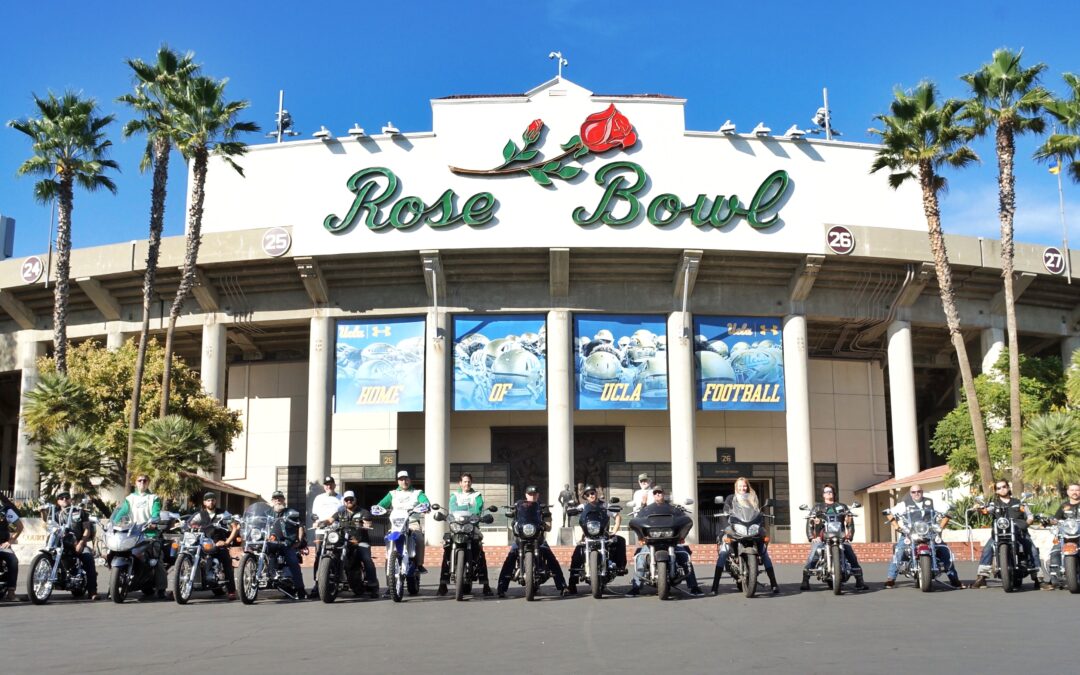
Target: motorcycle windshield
{"type": "Point", "coordinates": [528, 512]}
{"type": "Point", "coordinates": [744, 513]}
{"type": "Point", "coordinates": [258, 515]}
{"type": "Point", "coordinates": [121, 517]}
{"type": "Point", "coordinates": [919, 516]}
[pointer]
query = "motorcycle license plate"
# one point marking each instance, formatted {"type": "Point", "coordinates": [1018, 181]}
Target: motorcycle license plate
{"type": "Point", "coordinates": [398, 523]}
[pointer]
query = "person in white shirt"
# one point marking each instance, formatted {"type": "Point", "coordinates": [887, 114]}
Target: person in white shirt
{"type": "Point", "coordinates": [323, 510]}
{"type": "Point", "coordinates": [643, 495]}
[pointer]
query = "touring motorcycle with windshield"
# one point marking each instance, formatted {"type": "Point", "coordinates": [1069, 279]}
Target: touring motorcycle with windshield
{"type": "Point", "coordinates": [746, 536]}
{"type": "Point", "coordinates": [262, 565]}
{"type": "Point", "coordinates": [661, 529]}
{"type": "Point", "coordinates": [925, 554]}
{"type": "Point", "coordinates": [135, 551]}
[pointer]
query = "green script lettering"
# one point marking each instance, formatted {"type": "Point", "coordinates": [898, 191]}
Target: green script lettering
{"type": "Point", "coordinates": [614, 192]}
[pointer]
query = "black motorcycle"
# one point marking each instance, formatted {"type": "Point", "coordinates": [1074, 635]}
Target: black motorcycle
{"type": "Point", "coordinates": [135, 551]}
{"type": "Point", "coordinates": [263, 563]}
{"type": "Point", "coordinates": [746, 536]}
{"type": "Point", "coordinates": [661, 529]}
{"type": "Point", "coordinates": [527, 528]}
{"type": "Point", "coordinates": [339, 563]}
{"type": "Point", "coordinates": [194, 557]}
{"type": "Point", "coordinates": [831, 565]}
{"type": "Point", "coordinates": [57, 566]}
{"type": "Point", "coordinates": [1009, 564]}
{"type": "Point", "coordinates": [464, 540]}
{"type": "Point", "coordinates": [599, 569]}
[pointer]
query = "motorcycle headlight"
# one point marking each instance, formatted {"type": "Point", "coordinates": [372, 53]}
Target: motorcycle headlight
{"type": "Point", "coordinates": [256, 535]}
{"type": "Point", "coordinates": [661, 534]}
{"type": "Point", "coordinates": [1070, 528]}
{"type": "Point", "coordinates": [740, 529]}
{"type": "Point", "coordinates": [467, 528]}
{"type": "Point", "coordinates": [528, 529]}
{"type": "Point", "coordinates": [834, 527]}
{"type": "Point", "coordinates": [592, 527]}
{"type": "Point", "coordinates": [921, 528]}
{"type": "Point", "coordinates": [333, 537]}
{"type": "Point", "coordinates": [1002, 523]}
{"type": "Point", "coordinates": [754, 530]}
{"type": "Point", "coordinates": [456, 527]}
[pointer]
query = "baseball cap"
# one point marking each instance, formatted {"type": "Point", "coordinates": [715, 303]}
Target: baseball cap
{"type": "Point", "coordinates": [657, 488]}
{"type": "Point", "coordinates": [402, 474]}
{"type": "Point", "coordinates": [64, 495]}
{"type": "Point", "coordinates": [328, 480]}
{"type": "Point", "coordinates": [277, 493]}
{"type": "Point", "coordinates": [531, 490]}
{"type": "Point", "coordinates": [209, 495]}
{"type": "Point", "coordinates": [643, 476]}
{"type": "Point", "coordinates": [587, 490]}
{"type": "Point", "coordinates": [349, 494]}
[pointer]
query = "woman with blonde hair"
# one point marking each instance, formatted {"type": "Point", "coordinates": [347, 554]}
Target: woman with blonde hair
{"type": "Point", "coordinates": [744, 496]}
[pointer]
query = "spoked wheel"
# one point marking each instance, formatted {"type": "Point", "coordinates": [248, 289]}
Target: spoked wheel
{"type": "Point", "coordinates": [328, 586]}
{"type": "Point", "coordinates": [38, 585]}
{"type": "Point", "coordinates": [393, 576]}
{"type": "Point", "coordinates": [184, 582]}
{"type": "Point", "coordinates": [837, 571]}
{"type": "Point", "coordinates": [528, 571]}
{"type": "Point", "coordinates": [249, 578]}
{"type": "Point", "coordinates": [926, 581]}
{"type": "Point", "coordinates": [118, 584]}
{"type": "Point", "coordinates": [1070, 574]}
{"type": "Point", "coordinates": [663, 581]}
{"type": "Point", "coordinates": [1007, 571]}
{"type": "Point", "coordinates": [594, 575]}
{"type": "Point", "coordinates": [750, 565]}
{"type": "Point", "coordinates": [459, 574]}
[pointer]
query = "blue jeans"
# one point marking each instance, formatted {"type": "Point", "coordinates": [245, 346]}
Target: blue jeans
{"type": "Point", "coordinates": [507, 572]}
{"type": "Point", "coordinates": [12, 567]}
{"type": "Point", "coordinates": [292, 563]}
{"type": "Point", "coordinates": [817, 545]}
{"type": "Point", "coordinates": [1030, 551]}
{"type": "Point", "coordinates": [682, 558]}
{"type": "Point", "coordinates": [725, 551]}
{"type": "Point", "coordinates": [942, 552]}
{"type": "Point", "coordinates": [87, 559]}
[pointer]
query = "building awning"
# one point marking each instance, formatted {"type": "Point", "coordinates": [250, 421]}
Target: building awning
{"type": "Point", "coordinates": [221, 486]}
{"type": "Point", "coordinates": [936, 474]}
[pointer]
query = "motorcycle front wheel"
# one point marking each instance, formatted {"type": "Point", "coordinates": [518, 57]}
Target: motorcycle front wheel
{"type": "Point", "coordinates": [118, 585]}
{"type": "Point", "coordinates": [328, 586]}
{"type": "Point", "coordinates": [663, 581]}
{"type": "Point", "coordinates": [1070, 574]}
{"type": "Point", "coordinates": [750, 565]}
{"type": "Point", "coordinates": [249, 578]}
{"type": "Point", "coordinates": [38, 586]}
{"type": "Point", "coordinates": [184, 581]}
{"type": "Point", "coordinates": [926, 582]}
{"type": "Point", "coordinates": [836, 574]}
{"type": "Point", "coordinates": [1007, 570]}
{"type": "Point", "coordinates": [594, 575]}
{"type": "Point", "coordinates": [393, 576]}
{"type": "Point", "coordinates": [528, 571]}
{"type": "Point", "coordinates": [459, 574]}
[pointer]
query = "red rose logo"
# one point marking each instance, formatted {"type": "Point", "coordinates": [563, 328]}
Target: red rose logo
{"type": "Point", "coordinates": [606, 130]}
{"type": "Point", "coordinates": [533, 132]}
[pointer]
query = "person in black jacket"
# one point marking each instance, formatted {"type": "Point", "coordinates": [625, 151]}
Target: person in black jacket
{"type": "Point", "coordinates": [1070, 508]}
{"type": "Point", "coordinates": [617, 542]}
{"type": "Point", "coordinates": [538, 512]}
{"type": "Point", "coordinates": [828, 506]}
{"type": "Point", "coordinates": [9, 520]}
{"type": "Point", "coordinates": [222, 536]}
{"type": "Point", "coordinates": [1018, 513]}
{"type": "Point", "coordinates": [83, 529]}
{"type": "Point", "coordinates": [288, 532]}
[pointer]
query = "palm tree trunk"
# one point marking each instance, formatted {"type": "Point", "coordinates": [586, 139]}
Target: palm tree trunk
{"type": "Point", "coordinates": [157, 222]}
{"type": "Point", "coordinates": [63, 270]}
{"type": "Point", "coordinates": [191, 256]}
{"type": "Point", "coordinates": [1006, 150]}
{"type": "Point", "coordinates": [952, 319]}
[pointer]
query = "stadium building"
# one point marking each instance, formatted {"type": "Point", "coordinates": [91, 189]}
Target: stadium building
{"type": "Point", "coordinates": [556, 288]}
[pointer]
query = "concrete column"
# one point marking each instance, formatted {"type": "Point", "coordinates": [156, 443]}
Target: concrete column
{"type": "Point", "coordinates": [991, 344]}
{"type": "Point", "coordinates": [212, 373]}
{"type": "Point", "coordinates": [560, 403]}
{"type": "Point", "coordinates": [26, 469]}
{"type": "Point", "coordinates": [114, 337]}
{"type": "Point", "coordinates": [1068, 346]}
{"type": "Point", "coordinates": [905, 433]}
{"type": "Point", "coordinates": [320, 388]}
{"type": "Point", "coordinates": [681, 412]}
{"type": "Point", "coordinates": [436, 419]}
{"type": "Point", "coordinates": [797, 390]}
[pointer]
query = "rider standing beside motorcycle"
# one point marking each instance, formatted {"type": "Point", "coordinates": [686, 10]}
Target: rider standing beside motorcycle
{"type": "Point", "coordinates": [1018, 514]}
{"type": "Point", "coordinates": [222, 538]}
{"type": "Point", "coordinates": [351, 508]}
{"type": "Point", "coordinates": [682, 550]}
{"type": "Point", "coordinates": [744, 495]}
{"type": "Point", "coordinates": [1070, 508]}
{"type": "Point", "coordinates": [829, 505]}
{"type": "Point", "coordinates": [83, 530]}
{"type": "Point", "coordinates": [142, 506]}
{"type": "Point", "coordinates": [9, 519]}
{"type": "Point", "coordinates": [405, 497]}
{"type": "Point", "coordinates": [532, 501]}
{"type": "Point", "coordinates": [324, 508]}
{"type": "Point", "coordinates": [618, 546]}
{"type": "Point", "coordinates": [915, 500]}
{"type": "Point", "coordinates": [467, 499]}
{"type": "Point", "coordinates": [290, 533]}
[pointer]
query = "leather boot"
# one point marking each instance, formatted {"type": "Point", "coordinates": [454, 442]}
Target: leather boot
{"type": "Point", "coordinates": [771, 573]}
{"type": "Point", "coordinates": [716, 581]}
{"type": "Point", "coordinates": [805, 586]}
{"type": "Point", "coordinates": [860, 585]}
{"type": "Point", "coordinates": [980, 582]}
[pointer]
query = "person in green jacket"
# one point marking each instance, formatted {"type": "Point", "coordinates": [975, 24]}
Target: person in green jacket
{"type": "Point", "coordinates": [404, 498]}
{"type": "Point", "coordinates": [469, 500]}
{"type": "Point", "coordinates": [142, 506]}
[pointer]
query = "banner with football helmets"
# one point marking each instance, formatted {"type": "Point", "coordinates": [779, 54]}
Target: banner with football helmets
{"type": "Point", "coordinates": [380, 365]}
{"type": "Point", "coordinates": [620, 362]}
{"type": "Point", "coordinates": [500, 362]}
{"type": "Point", "coordinates": [739, 363]}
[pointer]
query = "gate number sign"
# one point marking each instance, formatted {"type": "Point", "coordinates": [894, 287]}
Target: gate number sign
{"type": "Point", "coordinates": [32, 269]}
{"type": "Point", "coordinates": [276, 242]}
{"type": "Point", "coordinates": [840, 240]}
{"type": "Point", "coordinates": [1053, 260]}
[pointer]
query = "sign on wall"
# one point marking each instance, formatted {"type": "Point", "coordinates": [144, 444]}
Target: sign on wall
{"type": "Point", "coordinates": [620, 362]}
{"type": "Point", "coordinates": [500, 362]}
{"type": "Point", "coordinates": [380, 365]}
{"type": "Point", "coordinates": [739, 363]}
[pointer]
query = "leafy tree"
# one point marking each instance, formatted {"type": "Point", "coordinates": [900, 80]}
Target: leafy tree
{"type": "Point", "coordinates": [204, 123]}
{"type": "Point", "coordinates": [154, 84]}
{"type": "Point", "coordinates": [1072, 383]}
{"type": "Point", "coordinates": [57, 402]}
{"type": "Point", "coordinates": [1066, 144]}
{"type": "Point", "coordinates": [920, 137]}
{"type": "Point", "coordinates": [69, 148]}
{"type": "Point", "coordinates": [1007, 98]}
{"type": "Point", "coordinates": [170, 450]}
{"type": "Point", "coordinates": [1052, 449]}
{"type": "Point", "coordinates": [71, 459]}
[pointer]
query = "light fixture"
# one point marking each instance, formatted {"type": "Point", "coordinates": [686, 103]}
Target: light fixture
{"type": "Point", "coordinates": [728, 128]}
{"type": "Point", "coordinates": [761, 130]}
{"type": "Point", "coordinates": [794, 133]}
{"type": "Point", "coordinates": [357, 132]}
{"type": "Point", "coordinates": [391, 129]}
{"type": "Point", "coordinates": [323, 134]}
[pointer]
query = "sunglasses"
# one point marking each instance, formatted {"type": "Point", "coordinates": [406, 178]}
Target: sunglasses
{"type": "Point", "coordinates": [350, 499]}
{"type": "Point", "coordinates": [826, 492]}
{"type": "Point", "coordinates": [1002, 487]}
{"type": "Point", "coordinates": [916, 492]}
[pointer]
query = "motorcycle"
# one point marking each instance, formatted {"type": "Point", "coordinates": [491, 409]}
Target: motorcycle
{"type": "Point", "coordinates": [526, 525]}
{"type": "Point", "coordinates": [402, 572]}
{"type": "Point", "coordinates": [193, 557]}
{"type": "Point", "coordinates": [341, 540]}
{"type": "Point", "coordinates": [464, 540]}
{"type": "Point", "coordinates": [661, 530]}
{"type": "Point", "coordinates": [57, 566]}
{"type": "Point", "coordinates": [135, 551]}
{"type": "Point", "coordinates": [921, 536]}
{"type": "Point", "coordinates": [746, 536]}
{"type": "Point", "coordinates": [1009, 563]}
{"type": "Point", "coordinates": [599, 569]}
{"type": "Point", "coordinates": [832, 566]}
{"type": "Point", "coordinates": [262, 564]}
{"type": "Point", "coordinates": [1068, 538]}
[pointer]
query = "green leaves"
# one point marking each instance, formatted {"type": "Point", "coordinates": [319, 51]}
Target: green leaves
{"type": "Point", "coordinates": [553, 169]}
{"type": "Point", "coordinates": [575, 141]}
{"type": "Point", "coordinates": [510, 152]}
{"type": "Point", "coordinates": [539, 176]}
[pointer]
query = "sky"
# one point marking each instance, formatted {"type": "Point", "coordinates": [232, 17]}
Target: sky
{"type": "Point", "coordinates": [363, 62]}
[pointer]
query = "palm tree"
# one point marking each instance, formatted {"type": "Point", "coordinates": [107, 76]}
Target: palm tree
{"type": "Point", "coordinates": [70, 148]}
{"type": "Point", "coordinates": [153, 85]}
{"type": "Point", "coordinates": [171, 450]}
{"type": "Point", "coordinates": [1066, 144]}
{"type": "Point", "coordinates": [918, 138]}
{"type": "Point", "coordinates": [1008, 98]}
{"type": "Point", "coordinates": [71, 459]}
{"type": "Point", "coordinates": [1072, 381]}
{"type": "Point", "coordinates": [204, 123]}
{"type": "Point", "coordinates": [57, 402]}
{"type": "Point", "coordinates": [1052, 455]}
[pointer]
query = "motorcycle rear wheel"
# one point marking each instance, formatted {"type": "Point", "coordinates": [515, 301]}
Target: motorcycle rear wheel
{"type": "Point", "coordinates": [1007, 571]}
{"type": "Point", "coordinates": [836, 574]}
{"type": "Point", "coordinates": [663, 581]}
{"type": "Point", "coordinates": [249, 579]}
{"type": "Point", "coordinates": [393, 576]}
{"type": "Point", "coordinates": [37, 582]}
{"type": "Point", "coordinates": [528, 571]}
{"type": "Point", "coordinates": [182, 588]}
{"type": "Point", "coordinates": [118, 585]}
{"type": "Point", "coordinates": [750, 565]}
{"type": "Point", "coordinates": [926, 581]}
{"type": "Point", "coordinates": [459, 574]}
{"type": "Point", "coordinates": [328, 586]}
{"type": "Point", "coordinates": [1071, 579]}
{"type": "Point", "coordinates": [595, 581]}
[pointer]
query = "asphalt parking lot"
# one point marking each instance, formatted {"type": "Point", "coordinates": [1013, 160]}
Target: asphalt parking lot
{"type": "Point", "coordinates": [878, 631]}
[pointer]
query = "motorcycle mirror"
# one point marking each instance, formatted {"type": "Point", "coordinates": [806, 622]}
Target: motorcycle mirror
{"type": "Point", "coordinates": [766, 503]}
{"type": "Point", "coordinates": [689, 502]}
{"type": "Point", "coordinates": [493, 508]}
{"type": "Point", "coordinates": [614, 500]}
{"type": "Point", "coordinates": [1026, 495]}
{"type": "Point", "coordinates": [435, 507]}
{"type": "Point", "coordinates": [804, 507]}
{"type": "Point", "coordinates": [718, 500]}
{"type": "Point", "coordinates": [487, 518]}
{"type": "Point", "coordinates": [856, 505]}
{"type": "Point", "coordinates": [439, 516]}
